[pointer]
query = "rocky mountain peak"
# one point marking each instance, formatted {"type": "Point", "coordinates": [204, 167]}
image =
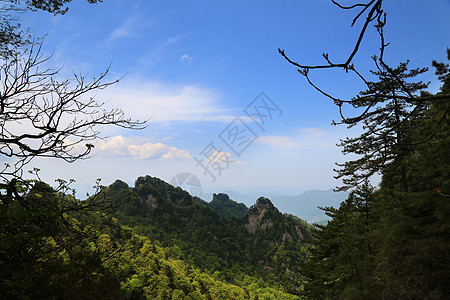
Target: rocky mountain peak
{"type": "Point", "coordinates": [260, 215]}
{"type": "Point", "coordinates": [263, 204]}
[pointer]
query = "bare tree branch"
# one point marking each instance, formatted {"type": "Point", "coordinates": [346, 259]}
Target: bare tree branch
{"type": "Point", "coordinates": [374, 14]}
{"type": "Point", "coordinates": [41, 116]}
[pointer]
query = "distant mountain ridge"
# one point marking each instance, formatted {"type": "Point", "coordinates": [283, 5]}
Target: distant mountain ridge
{"type": "Point", "coordinates": [304, 206]}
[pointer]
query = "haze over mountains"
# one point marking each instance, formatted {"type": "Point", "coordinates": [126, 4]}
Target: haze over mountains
{"type": "Point", "coordinates": [304, 205]}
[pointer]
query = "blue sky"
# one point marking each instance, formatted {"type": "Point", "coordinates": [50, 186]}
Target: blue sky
{"type": "Point", "coordinates": [192, 67]}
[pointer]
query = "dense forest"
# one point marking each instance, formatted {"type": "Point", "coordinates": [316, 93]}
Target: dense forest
{"type": "Point", "coordinates": [156, 241]}
{"type": "Point", "coordinates": [153, 241]}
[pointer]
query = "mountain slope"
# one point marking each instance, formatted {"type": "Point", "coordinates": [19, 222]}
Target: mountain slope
{"type": "Point", "coordinates": [273, 249]}
{"type": "Point", "coordinates": [87, 254]}
{"type": "Point", "coordinates": [227, 208]}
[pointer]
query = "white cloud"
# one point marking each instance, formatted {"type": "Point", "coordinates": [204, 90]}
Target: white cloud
{"type": "Point", "coordinates": [186, 58]}
{"type": "Point", "coordinates": [177, 153]}
{"type": "Point", "coordinates": [220, 157]}
{"type": "Point", "coordinates": [161, 102]}
{"type": "Point", "coordinates": [157, 150]}
{"type": "Point", "coordinates": [113, 146]}
{"type": "Point", "coordinates": [121, 146]}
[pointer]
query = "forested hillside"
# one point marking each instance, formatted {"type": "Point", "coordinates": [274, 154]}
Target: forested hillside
{"type": "Point", "coordinates": [156, 242]}
{"type": "Point", "coordinates": [226, 207]}
{"type": "Point", "coordinates": [264, 243]}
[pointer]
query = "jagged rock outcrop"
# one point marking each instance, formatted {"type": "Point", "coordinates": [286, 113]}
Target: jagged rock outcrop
{"type": "Point", "coordinates": [152, 202]}
{"type": "Point", "coordinates": [259, 215]}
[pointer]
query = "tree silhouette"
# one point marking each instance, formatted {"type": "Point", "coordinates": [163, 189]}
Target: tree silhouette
{"type": "Point", "coordinates": [374, 15]}
{"type": "Point", "coordinates": [42, 116]}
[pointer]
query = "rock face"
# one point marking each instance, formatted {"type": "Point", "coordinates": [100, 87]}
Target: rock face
{"type": "Point", "coordinates": [259, 215]}
{"type": "Point", "coordinates": [152, 202]}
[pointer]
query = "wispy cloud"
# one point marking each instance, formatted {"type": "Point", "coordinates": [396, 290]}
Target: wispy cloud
{"type": "Point", "coordinates": [162, 102]}
{"type": "Point", "coordinates": [187, 59]}
{"type": "Point", "coordinates": [158, 49]}
{"type": "Point", "coordinates": [303, 139]}
{"type": "Point", "coordinates": [127, 29]}
{"type": "Point", "coordinates": [319, 138]}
